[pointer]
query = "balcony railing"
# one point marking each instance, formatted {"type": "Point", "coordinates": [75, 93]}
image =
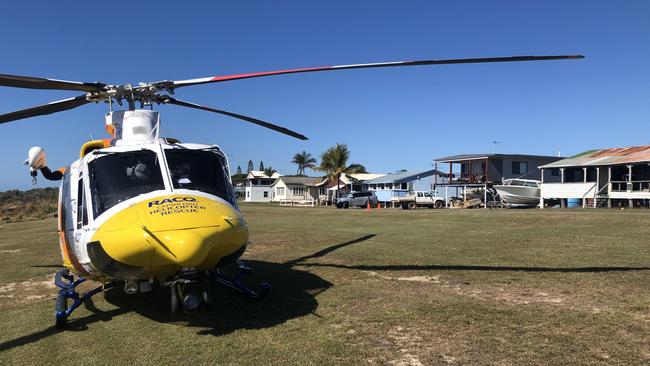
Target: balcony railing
{"type": "Point", "coordinates": [633, 186]}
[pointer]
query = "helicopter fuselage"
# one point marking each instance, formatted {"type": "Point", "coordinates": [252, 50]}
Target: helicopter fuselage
{"type": "Point", "coordinates": [148, 211]}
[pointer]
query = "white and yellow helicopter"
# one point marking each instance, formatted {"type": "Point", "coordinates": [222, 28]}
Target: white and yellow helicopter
{"type": "Point", "coordinates": [141, 209]}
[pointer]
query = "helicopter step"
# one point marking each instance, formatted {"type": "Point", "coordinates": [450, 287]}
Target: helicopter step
{"type": "Point", "coordinates": [67, 284]}
{"type": "Point", "coordinates": [192, 289]}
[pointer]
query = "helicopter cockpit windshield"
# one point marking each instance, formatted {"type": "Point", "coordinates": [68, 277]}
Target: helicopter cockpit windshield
{"type": "Point", "coordinates": [200, 170]}
{"type": "Point", "coordinates": [117, 177]}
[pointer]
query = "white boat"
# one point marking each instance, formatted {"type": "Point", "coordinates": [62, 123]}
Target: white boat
{"type": "Point", "coordinates": [519, 192]}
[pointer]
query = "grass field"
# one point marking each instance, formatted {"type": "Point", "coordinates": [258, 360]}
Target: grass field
{"type": "Point", "coordinates": [505, 287]}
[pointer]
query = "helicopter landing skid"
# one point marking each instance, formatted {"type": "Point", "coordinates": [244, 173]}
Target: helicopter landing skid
{"type": "Point", "coordinates": [192, 289]}
{"type": "Point", "coordinates": [67, 284]}
{"type": "Point", "coordinates": [235, 283]}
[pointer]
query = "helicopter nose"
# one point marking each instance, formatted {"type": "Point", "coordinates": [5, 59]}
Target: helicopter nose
{"type": "Point", "coordinates": [171, 232]}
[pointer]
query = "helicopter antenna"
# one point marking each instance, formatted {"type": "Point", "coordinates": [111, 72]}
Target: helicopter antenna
{"type": "Point", "coordinates": [494, 146]}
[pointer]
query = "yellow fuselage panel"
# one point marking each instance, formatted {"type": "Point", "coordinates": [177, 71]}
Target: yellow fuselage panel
{"type": "Point", "coordinates": [165, 234]}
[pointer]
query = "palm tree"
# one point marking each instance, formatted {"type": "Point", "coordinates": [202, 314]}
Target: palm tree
{"type": "Point", "coordinates": [357, 169]}
{"type": "Point", "coordinates": [250, 166]}
{"type": "Point", "coordinates": [304, 160]}
{"type": "Point", "coordinates": [269, 171]}
{"type": "Point", "coordinates": [334, 162]}
{"type": "Point", "coordinates": [261, 166]}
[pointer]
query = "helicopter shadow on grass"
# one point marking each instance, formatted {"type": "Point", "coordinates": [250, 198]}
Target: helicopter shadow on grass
{"type": "Point", "coordinates": [293, 295]}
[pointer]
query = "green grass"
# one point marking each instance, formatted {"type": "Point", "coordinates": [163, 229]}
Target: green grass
{"type": "Point", "coordinates": [503, 287]}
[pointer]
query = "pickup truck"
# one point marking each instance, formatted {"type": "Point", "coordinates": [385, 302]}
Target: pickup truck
{"type": "Point", "coordinates": [417, 199]}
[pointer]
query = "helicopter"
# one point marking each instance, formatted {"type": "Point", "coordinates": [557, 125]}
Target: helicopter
{"type": "Point", "coordinates": [141, 210]}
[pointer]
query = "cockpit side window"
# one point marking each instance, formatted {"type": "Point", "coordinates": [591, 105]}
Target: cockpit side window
{"type": "Point", "coordinates": [82, 214]}
{"type": "Point", "coordinates": [119, 176]}
{"type": "Point", "coordinates": [200, 170]}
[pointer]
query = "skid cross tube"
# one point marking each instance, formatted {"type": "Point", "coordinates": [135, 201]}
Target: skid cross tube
{"type": "Point", "coordinates": [235, 283]}
{"type": "Point", "coordinates": [67, 284]}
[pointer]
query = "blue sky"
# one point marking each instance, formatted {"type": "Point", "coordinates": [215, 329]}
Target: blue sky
{"type": "Point", "coordinates": [396, 118]}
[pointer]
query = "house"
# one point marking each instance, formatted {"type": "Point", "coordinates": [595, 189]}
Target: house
{"type": "Point", "coordinates": [475, 173]}
{"type": "Point", "coordinates": [614, 177]}
{"type": "Point", "coordinates": [258, 186]}
{"type": "Point", "coordinates": [297, 188]}
{"type": "Point", "coordinates": [390, 186]}
{"type": "Point", "coordinates": [239, 182]}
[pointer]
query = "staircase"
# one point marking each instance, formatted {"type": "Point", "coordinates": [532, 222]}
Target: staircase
{"type": "Point", "coordinates": [601, 201]}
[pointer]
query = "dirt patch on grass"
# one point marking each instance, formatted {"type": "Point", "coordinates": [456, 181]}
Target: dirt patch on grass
{"type": "Point", "coordinates": [20, 293]}
{"type": "Point", "coordinates": [425, 279]}
{"type": "Point", "coordinates": [510, 295]}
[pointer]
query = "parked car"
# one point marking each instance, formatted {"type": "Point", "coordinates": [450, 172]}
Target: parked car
{"type": "Point", "coordinates": [417, 199]}
{"type": "Point", "coordinates": [357, 199]}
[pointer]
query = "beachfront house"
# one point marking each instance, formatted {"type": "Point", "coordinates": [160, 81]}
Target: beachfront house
{"type": "Point", "coordinates": [295, 189]}
{"type": "Point", "coordinates": [258, 186]}
{"type": "Point", "coordinates": [615, 177]}
{"type": "Point", "coordinates": [475, 173]}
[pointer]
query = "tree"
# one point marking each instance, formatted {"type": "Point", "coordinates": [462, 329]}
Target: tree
{"type": "Point", "coordinates": [238, 170]}
{"type": "Point", "coordinates": [250, 166]}
{"type": "Point", "coordinates": [357, 169]}
{"type": "Point", "coordinates": [261, 166]}
{"type": "Point", "coordinates": [334, 162]}
{"type": "Point", "coordinates": [269, 171]}
{"type": "Point", "coordinates": [303, 160]}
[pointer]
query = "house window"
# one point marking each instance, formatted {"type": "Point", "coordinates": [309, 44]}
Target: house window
{"type": "Point", "coordinates": [279, 191]}
{"type": "Point", "coordinates": [266, 194]}
{"type": "Point", "coordinates": [389, 185]}
{"type": "Point", "coordinates": [555, 172]}
{"type": "Point", "coordinates": [519, 167]}
{"type": "Point", "coordinates": [404, 185]}
{"type": "Point", "coordinates": [248, 194]}
{"type": "Point", "coordinates": [298, 191]}
{"type": "Point", "coordinates": [321, 191]}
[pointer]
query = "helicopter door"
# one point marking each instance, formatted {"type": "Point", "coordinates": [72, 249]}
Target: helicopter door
{"type": "Point", "coordinates": [81, 218]}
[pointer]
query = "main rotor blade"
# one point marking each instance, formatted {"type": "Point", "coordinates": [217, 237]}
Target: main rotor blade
{"type": "Point", "coordinates": [217, 79]}
{"type": "Point", "coordinates": [44, 109]}
{"type": "Point", "coordinates": [169, 100]}
{"type": "Point", "coordinates": [29, 82]}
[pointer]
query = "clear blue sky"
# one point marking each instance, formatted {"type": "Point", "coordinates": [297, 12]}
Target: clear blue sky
{"type": "Point", "coordinates": [390, 118]}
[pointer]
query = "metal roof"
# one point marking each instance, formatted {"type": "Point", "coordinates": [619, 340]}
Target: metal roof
{"type": "Point", "coordinates": [401, 177]}
{"type": "Point", "coordinates": [463, 157]}
{"type": "Point", "coordinates": [612, 156]}
{"type": "Point", "coordinates": [307, 181]}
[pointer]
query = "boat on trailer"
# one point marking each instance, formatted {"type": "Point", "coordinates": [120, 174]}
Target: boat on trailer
{"type": "Point", "coordinates": [519, 192]}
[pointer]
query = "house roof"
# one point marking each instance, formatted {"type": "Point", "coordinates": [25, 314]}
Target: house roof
{"type": "Point", "coordinates": [254, 174]}
{"type": "Point", "coordinates": [306, 181]}
{"type": "Point", "coordinates": [365, 176]}
{"type": "Point", "coordinates": [404, 176]}
{"type": "Point", "coordinates": [464, 157]}
{"type": "Point", "coordinates": [612, 156]}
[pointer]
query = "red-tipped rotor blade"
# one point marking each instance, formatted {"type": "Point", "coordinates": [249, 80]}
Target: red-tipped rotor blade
{"type": "Point", "coordinates": [44, 109]}
{"type": "Point", "coordinates": [217, 79]}
{"type": "Point", "coordinates": [30, 82]}
{"type": "Point", "coordinates": [286, 131]}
